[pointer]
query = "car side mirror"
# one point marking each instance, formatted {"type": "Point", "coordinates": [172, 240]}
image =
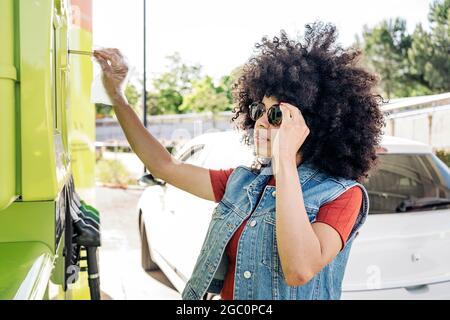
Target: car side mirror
{"type": "Point", "coordinates": [150, 180]}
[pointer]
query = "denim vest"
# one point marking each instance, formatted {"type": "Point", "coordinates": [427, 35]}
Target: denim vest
{"type": "Point", "coordinates": [258, 272]}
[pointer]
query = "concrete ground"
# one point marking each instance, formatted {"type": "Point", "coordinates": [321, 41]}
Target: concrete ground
{"type": "Point", "coordinates": [121, 275]}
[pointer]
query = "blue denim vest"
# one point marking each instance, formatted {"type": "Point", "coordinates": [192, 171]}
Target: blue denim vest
{"type": "Point", "coordinates": [258, 268]}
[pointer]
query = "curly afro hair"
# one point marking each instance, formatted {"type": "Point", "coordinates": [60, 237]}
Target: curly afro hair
{"type": "Point", "coordinates": [334, 94]}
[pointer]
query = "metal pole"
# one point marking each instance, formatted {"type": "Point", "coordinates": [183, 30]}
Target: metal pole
{"type": "Point", "coordinates": [145, 66]}
{"type": "Point", "coordinates": [145, 70]}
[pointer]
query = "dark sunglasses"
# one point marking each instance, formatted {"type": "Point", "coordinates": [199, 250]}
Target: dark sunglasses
{"type": "Point", "coordinates": [274, 114]}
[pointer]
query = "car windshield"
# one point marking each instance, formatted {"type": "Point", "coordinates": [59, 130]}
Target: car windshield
{"type": "Point", "coordinates": [408, 182]}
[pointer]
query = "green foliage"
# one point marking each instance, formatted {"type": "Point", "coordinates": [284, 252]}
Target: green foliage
{"type": "Point", "coordinates": [171, 86]}
{"type": "Point", "coordinates": [205, 96]}
{"type": "Point", "coordinates": [444, 156]}
{"type": "Point", "coordinates": [113, 171]}
{"type": "Point", "coordinates": [182, 89]}
{"type": "Point", "coordinates": [226, 82]}
{"type": "Point", "coordinates": [386, 48]}
{"type": "Point", "coordinates": [132, 95]}
{"type": "Point", "coordinates": [410, 65]}
{"type": "Point", "coordinates": [430, 52]}
{"type": "Point", "coordinates": [103, 110]}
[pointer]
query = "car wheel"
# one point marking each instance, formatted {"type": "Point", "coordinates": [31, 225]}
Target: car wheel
{"type": "Point", "coordinates": [146, 259]}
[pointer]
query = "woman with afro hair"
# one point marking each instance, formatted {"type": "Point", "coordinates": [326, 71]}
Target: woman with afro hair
{"type": "Point", "coordinates": [282, 228]}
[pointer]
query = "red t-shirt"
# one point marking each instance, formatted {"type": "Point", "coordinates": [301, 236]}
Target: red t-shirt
{"type": "Point", "coordinates": [340, 214]}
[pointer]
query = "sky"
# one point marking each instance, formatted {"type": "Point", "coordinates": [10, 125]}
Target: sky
{"type": "Point", "coordinates": [220, 35]}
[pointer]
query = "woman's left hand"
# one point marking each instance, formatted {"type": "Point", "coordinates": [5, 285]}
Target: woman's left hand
{"type": "Point", "coordinates": [291, 134]}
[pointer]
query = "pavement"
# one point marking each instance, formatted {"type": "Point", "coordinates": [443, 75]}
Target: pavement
{"type": "Point", "coordinates": [121, 274]}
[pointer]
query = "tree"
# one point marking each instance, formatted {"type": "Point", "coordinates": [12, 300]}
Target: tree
{"type": "Point", "coordinates": [386, 50]}
{"type": "Point", "coordinates": [171, 86]}
{"type": "Point", "coordinates": [180, 75]}
{"type": "Point", "coordinates": [132, 95]}
{"type": "Point", "coordinates": [419, 57]}
{"type": "Point", "coordinates": [163, 101]}
{"type": "Point", "coordinates": [411, 65]}
{"type": "Point", "coordinates": [430, 51]}
{"type": "Point", "coordinates": [205, 96]}
{"type": "Point", "coordinates": [226, 82]}
{"type": "Point", "coordinates": [103, 110]}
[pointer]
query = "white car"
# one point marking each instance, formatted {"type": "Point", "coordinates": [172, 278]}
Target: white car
{"type": "Point", "coordinates": [401, 252]}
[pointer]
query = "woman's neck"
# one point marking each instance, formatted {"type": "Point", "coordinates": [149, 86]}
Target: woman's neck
{"type": "Point", "coordinates": [298, 161]}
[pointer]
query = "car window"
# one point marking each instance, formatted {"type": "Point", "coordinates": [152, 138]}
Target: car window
{"type": "Point", "coordinates": [228, 155]}
{"type": "Point", "coordinates": [193, 155]}
{"type": "Point", "coordinates": [406, 177]}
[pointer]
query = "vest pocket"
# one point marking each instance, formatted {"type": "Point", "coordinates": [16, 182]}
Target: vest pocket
{"type": "Point", "coordinates": [217, 216]}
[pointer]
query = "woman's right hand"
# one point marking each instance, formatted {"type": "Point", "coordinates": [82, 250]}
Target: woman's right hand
{"type": "Point", "coordinates": [115, 70]}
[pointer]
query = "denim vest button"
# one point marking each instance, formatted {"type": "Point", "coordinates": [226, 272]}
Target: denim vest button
{"type": "Point", "coordinates": [253, 223]}
{"type": "Point", "coordinates": [273, 194]}
{"type": "Point", "coordinates": [247, 274]}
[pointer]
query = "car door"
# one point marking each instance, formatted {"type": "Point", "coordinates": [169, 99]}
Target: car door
{"type": "Point", "coordinates": [179, 208]}
{"type": "Point", "coordinates": [399, 248]}
{"type": "Point", "coordinates": [222, 151]}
